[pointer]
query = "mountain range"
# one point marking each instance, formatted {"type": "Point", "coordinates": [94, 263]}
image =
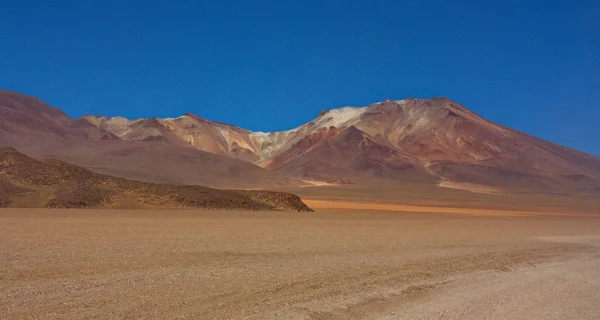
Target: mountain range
{"type": "Point", "coordinates": [429, 141]}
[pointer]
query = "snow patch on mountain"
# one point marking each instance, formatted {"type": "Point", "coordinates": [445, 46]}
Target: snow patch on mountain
{"type": "Point", "coordinates": [339, 118]}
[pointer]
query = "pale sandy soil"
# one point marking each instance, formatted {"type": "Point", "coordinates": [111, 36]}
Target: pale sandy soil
{"type": "Point", "coordinates": [126, 264]}
{"type": "Point", "coordinates": [477, 188]}
{"type": "Point", "coordinates": [313, 183]}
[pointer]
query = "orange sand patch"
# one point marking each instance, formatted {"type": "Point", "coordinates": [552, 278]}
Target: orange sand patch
{"type": "Point", "coordinates": [346, 205]}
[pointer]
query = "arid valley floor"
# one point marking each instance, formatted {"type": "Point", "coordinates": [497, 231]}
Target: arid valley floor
{"type": "Point", "coordinates": [330, 264]}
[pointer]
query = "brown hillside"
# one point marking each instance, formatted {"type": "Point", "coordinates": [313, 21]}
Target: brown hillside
{"type": "Point", "coordinates": [349, 157]}
{"type": "Point", "coordinates": [25, 181]}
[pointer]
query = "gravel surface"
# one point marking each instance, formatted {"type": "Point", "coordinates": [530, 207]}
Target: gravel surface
{"type": "Point", "coordinates": [128, 264]}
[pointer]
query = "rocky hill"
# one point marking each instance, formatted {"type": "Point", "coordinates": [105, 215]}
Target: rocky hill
{"type": "Point", "coordinates": [27, 182]}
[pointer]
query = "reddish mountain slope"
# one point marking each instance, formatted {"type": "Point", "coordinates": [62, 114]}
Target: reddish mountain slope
{"type": "Point", "coordinates": [440, 129]}
{"type": "Point", "coordinates": [26, 121]}
{"type": "Point", "coordinates": [438, 137]}
{"type": "Point", "coordinates": [429, 140]}
{"type": "Point", "coordinates": [456, 145]}
{"type": "Point", "coordinates": [348, 156]}
{"type": "Point", "coordinates": [154, 155]}
{"type": "Point", "coordinates": [188, 130]}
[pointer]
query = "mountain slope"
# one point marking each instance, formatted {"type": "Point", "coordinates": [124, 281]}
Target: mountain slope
{"type": "Point", "coordinates": [433, 141]}
{"type": "Point", "coordinates": [456, 145]}
{"type": "Point", "coordinates": [25, 181]}
{"type": "Point", "coordinates": [439, 139]}
{"type": "Point", "coordinates": [152, 153]}
{"type": "Point", "coordinates": [349, 156]}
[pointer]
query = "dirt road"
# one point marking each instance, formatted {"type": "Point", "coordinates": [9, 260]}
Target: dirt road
{"type": "Point", "coordinates": [555, 290]}
{"type": "Point", "coordinates": [109, 264]}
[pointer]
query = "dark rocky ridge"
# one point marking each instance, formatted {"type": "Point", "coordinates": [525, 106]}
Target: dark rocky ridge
{"type": "Point", "coordinates": [28, 182]}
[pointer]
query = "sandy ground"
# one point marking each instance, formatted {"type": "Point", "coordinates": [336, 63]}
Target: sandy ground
{"type": "Point", "coordinates": [122, 264]}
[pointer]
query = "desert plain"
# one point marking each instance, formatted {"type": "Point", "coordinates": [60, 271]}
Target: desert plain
{"type": "Point", "coordinates": [335, 263]}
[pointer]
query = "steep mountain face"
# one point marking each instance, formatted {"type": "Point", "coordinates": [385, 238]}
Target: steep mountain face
{"type": "Point", "coordinates": [144, 150]}
{"type": "Point", "coordinates": [28, 182]}
{"type": "Point", "coordinates": [349, 156]}
{"type": "Point", "coordinates": [456, 145]}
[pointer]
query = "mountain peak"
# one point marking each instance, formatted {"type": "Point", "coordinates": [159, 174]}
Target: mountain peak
{"type": "Point", "coordinates": [353, 134]}
{"type": "Point", "coordinates": [148, 123]}
{"type": "Point", "coordinates": [27, 104]}
{"type": "Point", "coordinates": [191, 115]}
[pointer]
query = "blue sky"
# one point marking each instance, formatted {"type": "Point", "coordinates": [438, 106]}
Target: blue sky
{"type": "Point", "coordinates": [273, 65]}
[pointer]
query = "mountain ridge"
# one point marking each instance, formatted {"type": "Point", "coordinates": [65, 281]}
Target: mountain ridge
{"type": "Point", "coordinates": [39, 130]}
{"type": "Point", "coordinates": [436, 138]}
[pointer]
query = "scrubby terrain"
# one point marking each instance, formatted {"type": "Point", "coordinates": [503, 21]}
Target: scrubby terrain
{"type": "Point", "coordinates": [27, 182]}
